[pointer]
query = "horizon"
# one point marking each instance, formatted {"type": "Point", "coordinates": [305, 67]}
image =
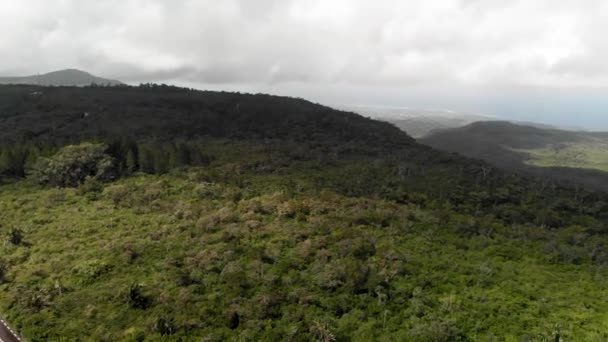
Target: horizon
{"type": "Point", "coordinates": [293, 170]}
{"type": "Point", "coordinates": [517, 118]}
{"type": "Point", "coordinates": [462, 55]}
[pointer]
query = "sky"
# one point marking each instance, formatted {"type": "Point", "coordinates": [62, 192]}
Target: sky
{"type": "Point", "coordinates": [541, 60]}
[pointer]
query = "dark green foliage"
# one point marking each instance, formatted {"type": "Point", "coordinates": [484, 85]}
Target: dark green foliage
{"type": "Point", "coordinates": [164, 326]}
{"type": "Point", "coordinates": [303, 266]}
{"type": "Point", "coordinates": [136, 298]}
{"type": "Point", "coordinates": [3, 271]}
{"type": "Point", "coordinates": [322, 332]}
{"type": "Point", "coordinates": [261, 218]}
{"type": "Point", "coordinates": [507, 146]}
{"type": "Point", "coordinates": [13, 160]}
{"type": "Point", "coordinates": [91, 187]}
{"type": "Point", "coordinates": [164, 113]}
{"type": "Point", "coordinates": [15, 236]}
{"type": "Point", "coordinates": [73, 164]}
{"type": "Point", "coordinates": [131, 162]}
{"type": "Point", "coordinates": [146, 159]}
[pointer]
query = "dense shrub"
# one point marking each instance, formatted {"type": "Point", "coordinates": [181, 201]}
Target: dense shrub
{"type": "Point", "coordinates": [15, 236]}
{"type": "Point", "coordinates": [73, 164]}
{"type": "Point", "coordinates": [135, 297]}
{"type": "Point", "coordinates": [3, 271]}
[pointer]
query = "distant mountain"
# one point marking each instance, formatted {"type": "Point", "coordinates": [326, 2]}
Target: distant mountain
{"type": "Point", "coordinates": [545, 152]}
{"type": "Point", "coordinates": [68, 77]}
{"type": "Point", "coordinates": [421, 126]}
{"type": "Point", "coordinates": [419, 122]}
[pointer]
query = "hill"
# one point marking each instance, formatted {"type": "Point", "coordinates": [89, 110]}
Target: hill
{"type": "Point", "coordinates": [66, 113]}
{"type": "Point", "coordinates": [422, 126]}
{"type": "Point", "coordinates": [419, 122]}
{"type": "Point", "coordinates": [574, 155]}
{"type": "Point", "coordinates": [68, 77]}
{"type": "Point", "coordinates": [158, 213]}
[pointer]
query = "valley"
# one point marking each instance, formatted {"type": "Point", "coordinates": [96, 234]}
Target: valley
{"type": "Point", "coordinates": [578, 157]}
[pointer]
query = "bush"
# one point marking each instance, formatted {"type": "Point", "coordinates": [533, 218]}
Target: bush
{"type": "Point", "coordinates": [437, 330]}
{"type": "Point", "coordinates": [73, 164]}
{"type": "Point", "coordinates": [55, 197]}
{"type": "Point", "coordinates": [3, 271]}
{"type": "Point", "coordinates": [90, 271]}
{"type": "Point", "coordinates": [15, 236]}
{"type": "Point", "coordinates": [136, 298]}
{"type": "Point", "coordinates": [118, 193]}
{"type": "Point", "coordinates": [91, 188]}
{"type": "Point", "coordinates": [164, 326]}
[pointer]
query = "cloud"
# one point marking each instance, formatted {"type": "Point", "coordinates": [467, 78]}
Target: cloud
{"type": "Point", "coordinates": [430, 47]}
{"type": "Point", "coordinates": [386, 42]}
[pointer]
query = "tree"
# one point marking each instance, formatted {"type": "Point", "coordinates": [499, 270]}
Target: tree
{"type": "Point", "coordinates": [161, 161]}
{"type": "Point", "coordinates": [72, 164]}
{"type": "Point", "coordinates": [12, 161]}
{"type": "Point", "coordinates": [181, 156]}
{"type": "Point", "coordinates": [146, 159]}
{"type": "Point", "coordinates": [131, 161]}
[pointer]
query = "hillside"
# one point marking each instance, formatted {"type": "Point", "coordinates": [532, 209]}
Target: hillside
{"type": "Point", "coordinates": [68, 77]}
{"type": "Point", "coordinates": [158, 213]}
{"type": "Point", "coordinates": [422, 126]}
{"type": "Point", "coordinates": [564, 155]}
{"type": "Point", "coordinates": [160, 112]}
{"type": "Point", "coordinates": [418, 122]}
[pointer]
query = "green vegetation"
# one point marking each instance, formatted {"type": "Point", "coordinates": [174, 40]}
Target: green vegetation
{"type": "Point", "coordinates": [73, 164]}
{"type": "Point", "coordinates": [226, 252]}
{"type": "Point", "coordinates": [586, 155]}
{"type": "Point", "coordinates": [229, 217]}
{"type": "Point", "coordinates": [578, 158]}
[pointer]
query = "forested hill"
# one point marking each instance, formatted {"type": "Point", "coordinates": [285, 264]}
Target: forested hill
{"type": "Point", "coordinates": [157, 213]}
{"type": "Point", "coordinates": [60, 114]}
{"type": "Point", "coordinates": [576, 156]}
{"type": "Point", "coordinates": [68, 77]}
{"type": "Point", "coordinates": [153, 122]}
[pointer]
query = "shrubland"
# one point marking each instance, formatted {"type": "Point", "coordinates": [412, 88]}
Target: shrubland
{"type": "Point", "coordinates": [342, 230]}
{"type": "Point", "coordinates": [268, 255]}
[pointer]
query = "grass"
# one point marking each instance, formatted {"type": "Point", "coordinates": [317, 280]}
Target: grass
{"type": "Point", "coordinates": [587, 155]}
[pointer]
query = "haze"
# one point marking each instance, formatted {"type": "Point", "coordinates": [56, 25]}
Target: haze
{"type": "Point", "coordinates": [538, 61]}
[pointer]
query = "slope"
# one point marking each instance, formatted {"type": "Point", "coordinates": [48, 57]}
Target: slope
{"type": "Point", "coordinates": [563, 155]}
{"type": "Point", "coordinates": [68, 77]}
{"type": "Point", "coordinates": [418, 122]}
{"type": "Point", "coordinates": [304, 223]}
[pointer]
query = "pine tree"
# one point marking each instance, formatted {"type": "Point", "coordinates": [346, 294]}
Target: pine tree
{"type": "Point", "coordinates": [161, 161]}
{"type": "Point", "coordinates": [12, 161]}
{"type": "Point", "coordinates": [32, 156]}
{"type": "Point", "coordinates": [131, 161]}
{"type": "Point", "coordinates": [182, 155]}
{"type": "Point", "coordinates": [146, 159]}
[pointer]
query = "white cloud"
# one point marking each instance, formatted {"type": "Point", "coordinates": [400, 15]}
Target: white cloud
{"type": "Point", "coordinates": [384, 46]}
{"type": "Point", "coordinates": [388, 42]}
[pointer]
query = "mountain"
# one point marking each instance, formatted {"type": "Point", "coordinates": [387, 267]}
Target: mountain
{"type": "Point", "coordinates": [542, 151]}
{"type": "Point", "coordinates": [419, 122]}
{"type": "Point", "coordinates": [421, 126]}
{"type": "Point", "coordinates": [68, 77]}
{"type": "Point", "coordinates": [161, 112]}
{"type": "Point", "coordinates": [157, 213]}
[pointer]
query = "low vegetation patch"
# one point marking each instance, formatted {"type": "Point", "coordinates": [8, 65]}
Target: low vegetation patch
{"type": "Point", "coordinates": [575, 155]}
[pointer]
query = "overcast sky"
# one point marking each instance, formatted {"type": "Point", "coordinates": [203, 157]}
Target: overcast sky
{"type": "Point", "coordinates": [540, 60]}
